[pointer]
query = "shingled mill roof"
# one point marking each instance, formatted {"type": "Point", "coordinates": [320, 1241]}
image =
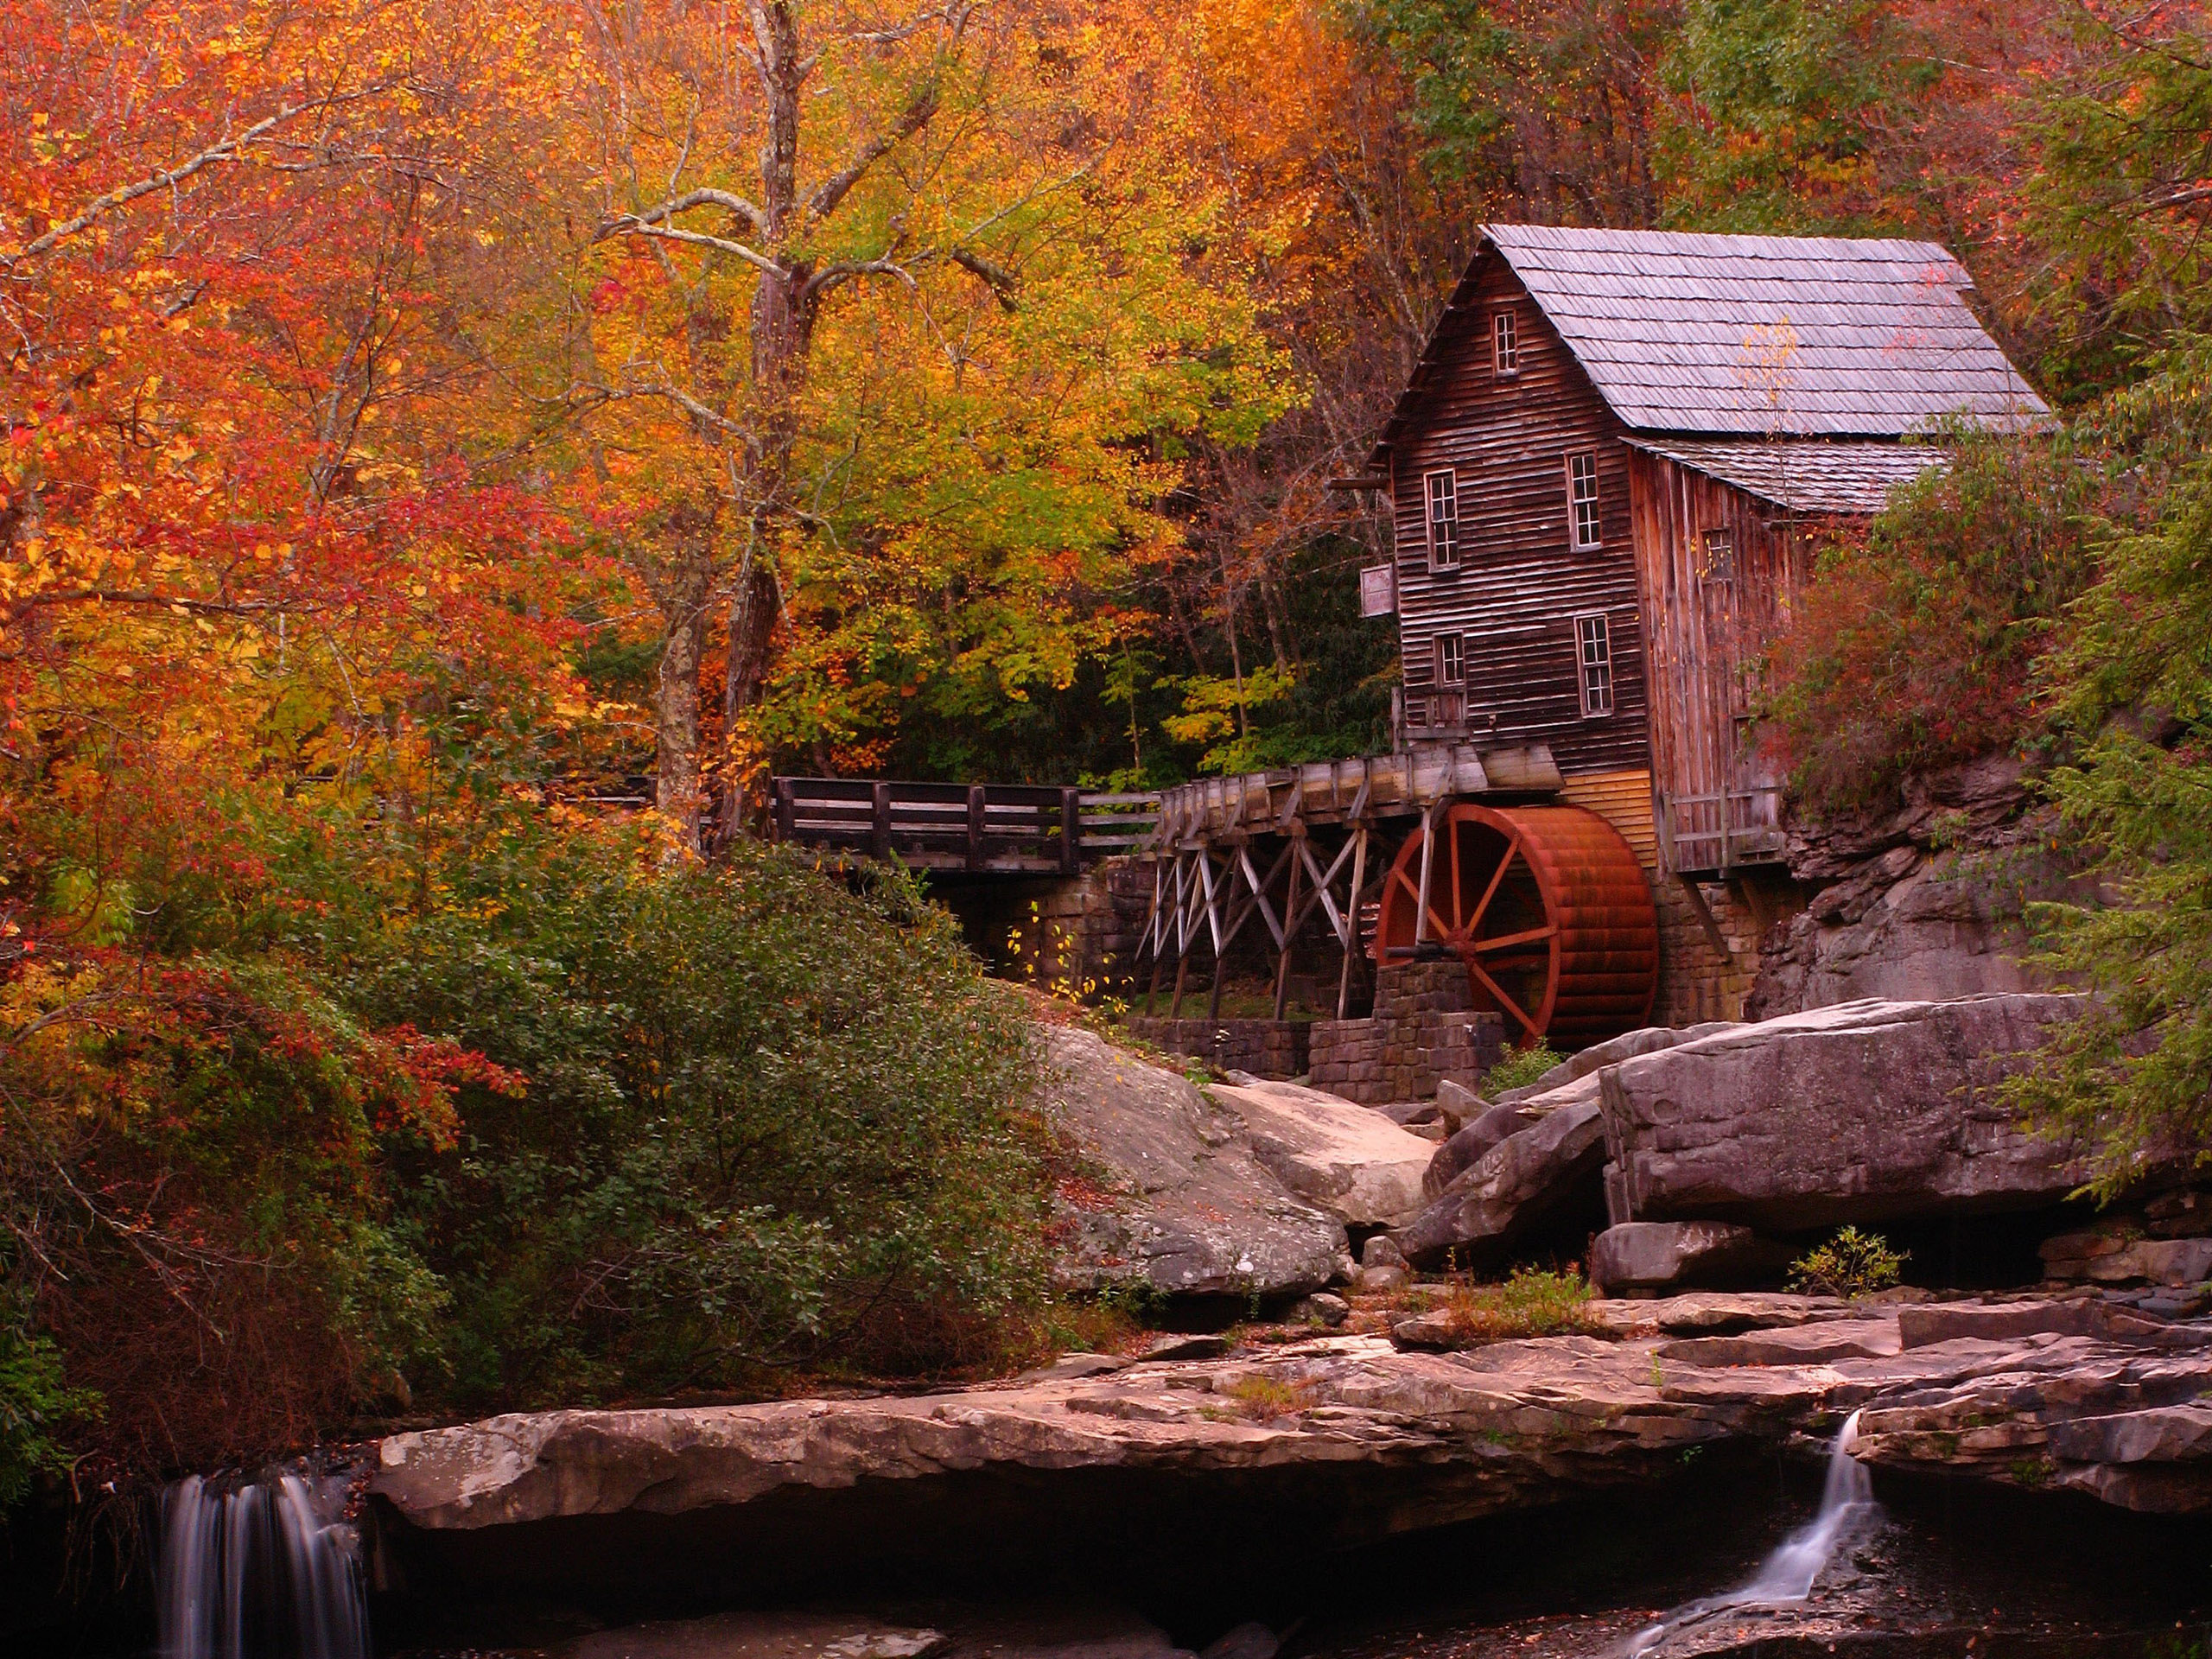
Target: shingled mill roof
{"type": "Point", "coordinates": [1753, 336]}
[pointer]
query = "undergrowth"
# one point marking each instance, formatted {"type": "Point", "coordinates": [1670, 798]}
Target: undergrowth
{"type": "Point", "coordinates": [1532, 1302]}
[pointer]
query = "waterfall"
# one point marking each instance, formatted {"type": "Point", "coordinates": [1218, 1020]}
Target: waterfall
{"type": "Point", "coordinates": [265, 1570]}
{"type": "Point", "coordinates": [1788, 1575]}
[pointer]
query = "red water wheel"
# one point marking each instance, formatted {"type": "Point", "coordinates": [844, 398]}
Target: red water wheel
{"type": "Point", "coordinates": [1548, 907]}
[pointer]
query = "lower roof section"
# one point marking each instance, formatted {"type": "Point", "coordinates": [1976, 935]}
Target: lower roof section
{"type": "Point", "coordinates": [1804, 475]}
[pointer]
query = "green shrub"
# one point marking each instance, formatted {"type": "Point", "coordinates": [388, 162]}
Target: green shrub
{"type": "Point", "coordinates": [191, 1185]}
{"type": "Point", "coordinates": [1521, 1067]}
{"type": "Point", "coordinates": [37, 1407]}
{"type": "Point", "coordinates": [1851, 1263]}
{"type": "Point", "coordinates": [2131, 1079]}
{"type": "Point", "coordinates": [1913, 646]}
{"type": "Point", "coordinates": [767, 1124]}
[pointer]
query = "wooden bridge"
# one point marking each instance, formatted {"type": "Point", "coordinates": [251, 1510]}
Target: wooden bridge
{"type": "Point", "coordinates": [979, 828]}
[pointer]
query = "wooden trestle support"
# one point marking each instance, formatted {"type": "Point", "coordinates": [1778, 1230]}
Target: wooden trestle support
{"type": "Point", "coordinates": [1281, 845]}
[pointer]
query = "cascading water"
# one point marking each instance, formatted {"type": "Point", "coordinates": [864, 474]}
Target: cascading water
{"type": "Point", "coordinates": [269, 1570]}
{"type": "Point", "coordinates": [1786, 1577]}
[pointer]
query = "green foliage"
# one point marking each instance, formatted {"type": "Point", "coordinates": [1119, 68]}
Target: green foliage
{"type": "Point", "coordinates": [1914, 646]}
{"type": "Point", "coordinates": [1217, 712]}
{"type": "Point", "coordinates": [767, 1123]}
{"type": "Point", "coordinates": [190, 1166]}
{"type": "Point", "coordinates": [2132, 1078]}
{"type": "Point", "coordinates": [2118, 203]}
{"type": "Point", "coordinates": [37, 1407]}
{"type": "Point", "coordinates": [1781, 106]}
{"type": "Point", "coordinates": [1851, 1263]}
{"type": "Point", "coordinates": [1549, 104]}
{"type": "Point", "coordinates": [734, 1121]}
{"type": "Point", "coordinates": [1521, 1067]}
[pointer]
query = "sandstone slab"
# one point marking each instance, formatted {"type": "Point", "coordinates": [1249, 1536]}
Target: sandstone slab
{"type": "Point", "coordinates": [1866, 1112]}
{"type": "Point", "coordinates": [1514, 1187]}
{"type": "Point", "coordinates": [2106, 1259]}
{"type": "Point", "coordinates": [1470, 1145]}
{"type": "Point", "coordinates": [1396, 1440]}
{"type": "Point", "coordinates": [1348, 1159]}
{"type": "Point", "coordinates": [759, 1636]}
{"type": "Point", "coordinates": [1192, 1211]}
{"type": "Point", "coordinates": [1647, 1039]}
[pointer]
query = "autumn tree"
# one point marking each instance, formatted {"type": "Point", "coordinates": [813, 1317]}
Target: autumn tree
{"type": "Point", "coordinates": [843, 256]}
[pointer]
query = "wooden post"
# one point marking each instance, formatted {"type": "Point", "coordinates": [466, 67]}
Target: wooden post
{"type": "Point", "coordinates": [1351, 920]}
{"type": "Point", "coordinates": [786, 811]}
{"type": "Point", "coordinates": [1155, 933]}
{"type": "Point", "coordinates": [1214, 931]}
{"type": "Point", "coordinates": [1071, 831]}
{"type": "Point", "coordinates": [1290, 921]}
{"type": "Point", "coordinates": [976, 820]}
{"type": "Point", "coordinates": [1427, 864]}
{"type": "Point", "coordinates": [881, 839]}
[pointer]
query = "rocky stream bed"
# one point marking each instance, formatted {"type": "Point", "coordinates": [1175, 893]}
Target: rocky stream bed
{"type": "Point", "coordinates": [1657, 1444]}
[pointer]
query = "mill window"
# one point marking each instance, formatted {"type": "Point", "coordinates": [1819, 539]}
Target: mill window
{"type": "Point", "coordinates": [1582, 496]}
{"type": "Point", "coordinates": [1718, 564]}
{"type": "Point", "coordinates": [1443, 521]}
{"type": "Point", "coordinates": [1504, 343]}
{"type": "Point", "coordinates": [1451, 659]}
{"type": "Point", "coordinates": [1593, 650]}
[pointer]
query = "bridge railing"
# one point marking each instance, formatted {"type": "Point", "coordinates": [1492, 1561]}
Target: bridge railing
{"type": "Point", "coordinates": [997, 827]}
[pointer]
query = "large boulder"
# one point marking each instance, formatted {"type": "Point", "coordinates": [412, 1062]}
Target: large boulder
{"type": "Point", "coordinates": [1190, 1210]}
{"type": "Point", "coordinates": [1470, 1145]}
{"type": "Point", "coordinates": [1863, 1112]}
{"type": "Point", "coordinates": [1525, 1181]}
{"type": "Point", "coordinates": [1679, 1255]}
{"type": "Point", "coordinates": [1348, 1159]}
{"type": "Point", "coordinates": [1919, 900]}
{"type": "Point", "coordinates": [1584, 1062]}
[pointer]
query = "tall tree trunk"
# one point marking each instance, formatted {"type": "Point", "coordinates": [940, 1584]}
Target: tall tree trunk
{"type": "Point", "coordinates": [755, 601]}
{"type": "Point", "coordinates": [683, 597]}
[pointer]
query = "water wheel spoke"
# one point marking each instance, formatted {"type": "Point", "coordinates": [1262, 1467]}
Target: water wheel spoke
{"type": "Point", "coordinates": [1497, 878]}
{"type": "Point", "coordinates": [1506, 941]}
{"type": "Point", "coordinates": [1506, 1004]}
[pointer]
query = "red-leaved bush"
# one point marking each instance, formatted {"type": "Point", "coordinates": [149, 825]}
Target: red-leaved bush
{"type": "Point", "coordinates": [1913, 646]}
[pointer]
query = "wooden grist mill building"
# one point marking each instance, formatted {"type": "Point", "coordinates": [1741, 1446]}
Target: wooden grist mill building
{"type": "Point", "coordinates": [1609, 476]}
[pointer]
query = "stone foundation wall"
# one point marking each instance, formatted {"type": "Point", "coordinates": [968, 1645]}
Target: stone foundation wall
{"type": "Point", "coordinates": [1266, 1048]}
{"type": "Point", "coordinates": [1696, 982]}
{"type": "Point", "coordinates": [1421, 1031]}
{"type": "Point", "coordinates": [1075, 935]}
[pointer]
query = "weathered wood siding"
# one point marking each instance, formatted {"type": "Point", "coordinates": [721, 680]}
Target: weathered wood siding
{"type": "Point", "coordinates": [1708, 621]}
{"type": "Point", "coordinates": [1521, 581]}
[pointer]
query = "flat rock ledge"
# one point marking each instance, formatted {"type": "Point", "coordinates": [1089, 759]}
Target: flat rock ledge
{"type": "Point", "coordinates": [2088, 1393]}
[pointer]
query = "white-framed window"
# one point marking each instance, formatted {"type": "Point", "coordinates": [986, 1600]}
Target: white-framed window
{"type": "Point", "coordinates": [1582, 497]}
{"type": "Point", "coordinates": [1504, 343]}
{"type": "Point", "coordinates": [1451, 659]}
{"type": "Point", "coordinates": [1593, 654]}
{"type": "Point", "coordinates": [1442, 490]}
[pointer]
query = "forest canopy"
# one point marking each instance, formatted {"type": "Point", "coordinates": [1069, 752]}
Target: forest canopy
{"type": "Point", "coordinates": [456, 450]}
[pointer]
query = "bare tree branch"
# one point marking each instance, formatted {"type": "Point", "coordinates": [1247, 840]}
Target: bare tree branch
{"type": "Point", "coordinates": [918, 114]}
{"type": "Point", "coordinates": [728, 201]}
{"type": "Point", "coordinates": [226, 150]}
{"type": "Point", "coordinates": [628, 224]}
